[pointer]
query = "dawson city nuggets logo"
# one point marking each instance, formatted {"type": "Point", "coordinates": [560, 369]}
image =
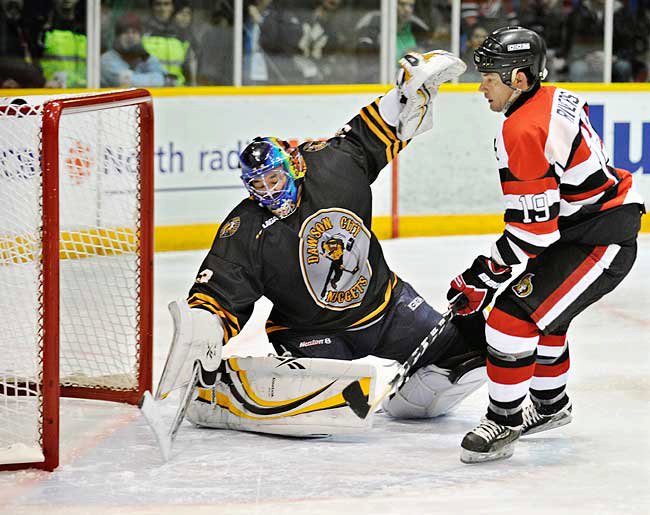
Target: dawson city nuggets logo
{"type": "Point", "coordinates": [524, 287]}
{"type": "Point", "coordinates": [334, 246]}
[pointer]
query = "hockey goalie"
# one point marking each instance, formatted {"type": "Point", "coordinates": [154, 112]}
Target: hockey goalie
{"type": "Point", "coordinates": [303, 239]}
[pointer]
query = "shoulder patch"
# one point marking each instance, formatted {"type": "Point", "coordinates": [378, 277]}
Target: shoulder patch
{"type": "Point", "coordinates": [229, 228]}
{"type": "Point", "coordinates": [315, 146]}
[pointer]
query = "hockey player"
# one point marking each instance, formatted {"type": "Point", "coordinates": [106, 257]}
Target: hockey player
{"type": "Point", "coordinates": [303, 239]}
{"type": "Point", "coordinates": [571, 218]}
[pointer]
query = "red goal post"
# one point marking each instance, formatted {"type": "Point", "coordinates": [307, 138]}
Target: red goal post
{"type": "Point", "coordinates": [76, 259]}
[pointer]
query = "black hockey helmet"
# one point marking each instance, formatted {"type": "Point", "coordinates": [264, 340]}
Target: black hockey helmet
{"type": "Point", "coordinates": [510, 49]}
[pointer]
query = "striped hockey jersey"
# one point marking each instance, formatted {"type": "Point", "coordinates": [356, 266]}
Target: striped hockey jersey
{"type": "Point", "coordinates": [555, 175]}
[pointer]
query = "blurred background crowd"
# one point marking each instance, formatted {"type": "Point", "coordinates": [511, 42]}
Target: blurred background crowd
{"type": "Point", "coordinates": [47, 43]}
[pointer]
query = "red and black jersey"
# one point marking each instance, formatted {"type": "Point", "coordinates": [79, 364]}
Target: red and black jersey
{"type": "Point", "coordinates": [322, 267]}
{"type": "Point", "coordinates": [556, 177]}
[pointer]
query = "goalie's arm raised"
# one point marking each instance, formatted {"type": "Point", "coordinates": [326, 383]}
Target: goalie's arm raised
{"type": "Point", "coordinates": [383, 128]}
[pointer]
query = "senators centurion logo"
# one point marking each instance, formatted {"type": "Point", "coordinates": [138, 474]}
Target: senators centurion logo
{"type": "Point", "coordinates": [524, 287]}
{"type": "Point", "coordinates": [334, 247]}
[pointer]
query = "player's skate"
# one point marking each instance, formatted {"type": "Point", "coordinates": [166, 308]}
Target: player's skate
{"type": "Point", "coordinates": [536, 421]}
{"type": "Point", "coordinates": [489, 441]}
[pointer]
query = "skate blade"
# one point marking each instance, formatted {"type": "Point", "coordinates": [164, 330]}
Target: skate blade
{"type": "Point", "coordinates": [481, 457]}
{"type": "Point", "coordinates": [547, 427]}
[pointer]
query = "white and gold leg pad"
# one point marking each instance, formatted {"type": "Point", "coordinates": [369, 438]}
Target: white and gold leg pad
{"type": "Point", "coordinates": [285, 396]}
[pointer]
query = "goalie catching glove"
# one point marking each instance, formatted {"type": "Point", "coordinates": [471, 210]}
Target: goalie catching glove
{"type": "Point", "coordinates": [418, 80]}
{"type": "Point", "coordinates": [474, 289]}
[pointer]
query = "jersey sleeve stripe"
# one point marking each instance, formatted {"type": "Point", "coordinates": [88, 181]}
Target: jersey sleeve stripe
{"type": "Point", "coordinates": [508, 254]}
{"type": "Point", "coordinates": [529, 187]}
{"type": "Point", "coordinates": [536, 242]}
{"type": "Point", "coordinates": [623, 194]}
{"type": "Point", "coordinates": [539, 228]}
{"type": "Point", "coordinates": [380, 135]}
{"type": "Point", "coordinates": [203, 301]}
{"type": "Point", "coordinates": [596, 178]}
{"type": "Point", "coordinates": [522, 249]}
{"type": "Point", "coordinates": [517, 215]}
{"type": "Point", "coordinates": [586, 195]}
{"type": "Point", "coordinates": [578, 174]}
{"type": "Point", "coordinates": [514, 201]}
{"type": "Point", "coordinates": [373, 110]}
{"type": "Point", "coordinates": [506, 175]}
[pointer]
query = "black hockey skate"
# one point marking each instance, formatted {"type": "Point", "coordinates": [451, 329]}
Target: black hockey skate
{"type": "Point", "coordinates": [489, 441]}
{"type": "Point", "coordinates": [536, 421]}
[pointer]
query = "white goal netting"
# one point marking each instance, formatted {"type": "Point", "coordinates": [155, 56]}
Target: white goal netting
{"type": "Point", "coordinates": [99, 198]}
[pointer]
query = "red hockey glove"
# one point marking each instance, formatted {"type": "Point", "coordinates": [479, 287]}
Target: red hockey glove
{"type": "Point", "coordinates": [472, 290]}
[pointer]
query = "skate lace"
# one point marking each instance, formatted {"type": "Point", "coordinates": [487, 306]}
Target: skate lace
{"type": "Point", "coordinates": [488, 429]}
{"type": "Point", "coordinates": [531, 416]}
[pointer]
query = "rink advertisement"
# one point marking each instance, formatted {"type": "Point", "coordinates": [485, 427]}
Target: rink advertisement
{"type": "Point", "coordinates": [449, 170]}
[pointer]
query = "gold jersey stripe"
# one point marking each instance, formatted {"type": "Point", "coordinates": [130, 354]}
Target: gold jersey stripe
{"type": "Point", "coordinates": [373, 110]}
{"type": "Point", "coordinates": [382, 137]}
{"type": "Point", "coordinates": [231, 324]}
{"type": "Point", "coordinates": [213, 302]}
{"type": "Point", "coordinates": [382, 306]}
{"type": "Point", "coordinates": [229, 330]}
{"type": "Point", "coordinates": [274, 327]}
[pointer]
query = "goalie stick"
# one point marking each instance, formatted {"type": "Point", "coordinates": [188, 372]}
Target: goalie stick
{"type": "Point", "coordinates": [151, 413]}
{"type": "Point", "coordinates": [353, 393]}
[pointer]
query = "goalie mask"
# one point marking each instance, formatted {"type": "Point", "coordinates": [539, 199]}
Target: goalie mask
{"type": "Point", "coordinates": [510, 49]}
{"type": "Point", "coordinates": [272, 172]}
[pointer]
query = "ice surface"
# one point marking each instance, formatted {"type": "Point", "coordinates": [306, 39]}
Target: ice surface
{"type": "Point", "coordinates": [598, 464]}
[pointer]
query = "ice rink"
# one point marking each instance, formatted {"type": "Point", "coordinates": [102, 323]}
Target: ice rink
{"type": "Point", "coordinates": [599, 464]}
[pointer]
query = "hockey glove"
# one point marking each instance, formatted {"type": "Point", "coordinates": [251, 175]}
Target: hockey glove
{"type": "Point", "coordinates": [417, 82]}
{"type": "Point", "coordinates": [474, 289]}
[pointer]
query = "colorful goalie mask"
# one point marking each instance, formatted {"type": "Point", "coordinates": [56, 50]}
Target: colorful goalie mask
{"type": "Point", "coordinates": [272, 171]}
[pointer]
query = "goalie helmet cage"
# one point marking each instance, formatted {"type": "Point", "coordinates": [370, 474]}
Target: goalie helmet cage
{"type": "Point", "coordinates": [76, 259]}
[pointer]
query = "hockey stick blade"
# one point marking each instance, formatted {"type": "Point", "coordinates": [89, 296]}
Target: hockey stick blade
{"type": "Point", "coordinates": [149, 409]}
{"type": "Point", "coordinates": [151, 414]}
{"type": "Point", "coordinates": [356, 399]}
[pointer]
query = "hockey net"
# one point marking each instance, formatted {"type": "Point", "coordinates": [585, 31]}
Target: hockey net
{"type": "Point", "coordinates": [76, 248]}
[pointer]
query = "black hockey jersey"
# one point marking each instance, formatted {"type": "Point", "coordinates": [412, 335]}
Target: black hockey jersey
{"type": "Point", "coordinates": [322, 267]}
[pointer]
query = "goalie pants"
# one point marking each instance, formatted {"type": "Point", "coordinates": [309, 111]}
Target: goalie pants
{"type": "Point", "coordinates": [526, 329]}
{"type": "Point", "coordinates": [406, 321]}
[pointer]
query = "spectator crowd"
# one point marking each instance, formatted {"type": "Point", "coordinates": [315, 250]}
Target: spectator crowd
{"type": "Point", "coordinates": [43, 43]}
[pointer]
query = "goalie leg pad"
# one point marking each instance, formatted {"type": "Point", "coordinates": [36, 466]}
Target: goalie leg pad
{"type": "Point", "coordinates": [285, 396]}
{"type": "Point", "coordinates": [429, 392]}
{"type": "Point", "coordinates": [198, 335]}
